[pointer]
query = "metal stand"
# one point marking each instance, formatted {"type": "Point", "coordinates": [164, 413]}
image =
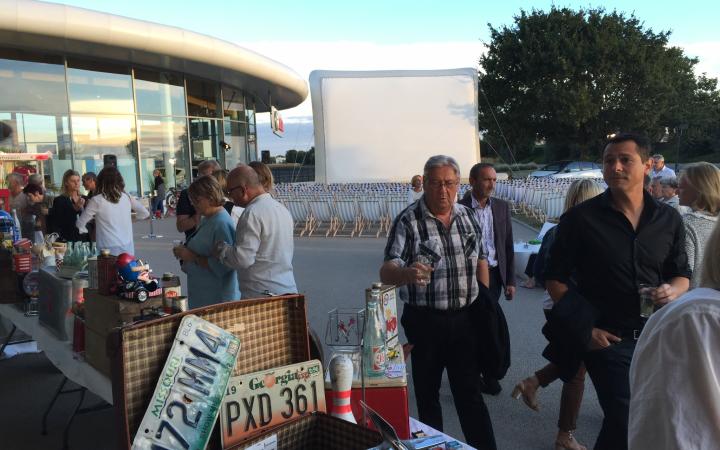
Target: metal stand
{"type": "Point", "coordinates": [78, 410]}
{"type": "Point", "coordinates": [152, 234]}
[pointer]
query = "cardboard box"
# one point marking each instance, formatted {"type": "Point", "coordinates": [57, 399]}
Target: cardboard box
{"type": "Point", "coordinates": [96, 351]}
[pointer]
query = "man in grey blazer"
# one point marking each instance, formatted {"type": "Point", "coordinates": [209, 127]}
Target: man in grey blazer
{"type": "Point", "coordinates": [493, 215]}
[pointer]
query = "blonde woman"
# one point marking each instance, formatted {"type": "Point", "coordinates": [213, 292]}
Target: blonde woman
{"type": "Point", "coordinates": [67, 207]}
{"type": "Point", "coordinates": [572, 391]}
{"type": "Point", "coordinates": [265, 176]}
{"type": "Point", "coordinates": [209, 281]}
{"type": "Point", "coordinates": [699, 190]}
{"type": "Point", "coordinates": [111, 207]}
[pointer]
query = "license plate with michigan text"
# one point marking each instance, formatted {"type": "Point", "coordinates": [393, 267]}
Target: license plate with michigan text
{"type": "Point", "coordinates": [187, 397]}
{"type": "Point", "coordinates": [260, 400]}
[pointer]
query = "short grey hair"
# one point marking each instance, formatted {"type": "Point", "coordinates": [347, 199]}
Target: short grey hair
{"type": "Point", "coordinates": [658, 157]}
{"type": "Point", "coordinates": [440, 161]}
{"type": "Point", "coordinates": [14, 176]}
{"type": "Point", "coordinates": [35, 178]}
{"type": "Point", "coordinates": [669, 182]}
{"type": "Point", "coordinates": [207, 164]}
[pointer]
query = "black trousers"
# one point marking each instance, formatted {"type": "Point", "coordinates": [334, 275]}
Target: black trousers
{"type": "Point", "coordinates": [609, 371]}
{"type": "Point", "coordinates": [446, 340]}
{"type": "Point", "coordinates": [496, 284]}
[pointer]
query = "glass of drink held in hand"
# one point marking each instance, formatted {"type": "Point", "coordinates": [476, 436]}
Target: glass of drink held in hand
{"type": "Point", "coordinates": [422, 259]}
{"type": "Point", "coordinates": [647, 305]}
{"type": "Point", "coordinates": [176, 243]}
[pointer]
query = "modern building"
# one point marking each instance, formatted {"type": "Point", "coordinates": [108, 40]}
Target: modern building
{"type": "Point", "coordinates": [84, 85]}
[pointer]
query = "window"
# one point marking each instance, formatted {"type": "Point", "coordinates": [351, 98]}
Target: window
{"type": "Point", "coordinates": [99, 88]}
{"type": "Point", "coordinates": [233, 103]}
{"type": "Point", "coordinates": [235, 136]}
{"type": "Point", "coordinates": [163, 146]}
{"type": "Point", "coordinates": [159, 93]}
{"type": "Point", "coordinates": [36, 84]}
{"type": "Point", "coordinates": [202, 97]}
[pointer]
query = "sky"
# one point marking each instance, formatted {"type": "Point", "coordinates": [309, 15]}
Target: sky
{"type": "Point", "coordinates": [391, 35]}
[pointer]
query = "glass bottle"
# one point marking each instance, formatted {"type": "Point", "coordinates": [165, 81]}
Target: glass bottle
{"type": "Point", "coordinates": [374, 339]}
{"type": "Point", "coordinates": [17, 231]}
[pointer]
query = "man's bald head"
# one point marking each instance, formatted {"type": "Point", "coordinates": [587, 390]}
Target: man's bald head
{"type": "Point", "coordinates": [244, 185]}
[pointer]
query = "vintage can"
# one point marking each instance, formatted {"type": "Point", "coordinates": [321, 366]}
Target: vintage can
{"type": "Point", "coordinates": [170, 290]}
{"type": "Point", "coordinates": [179, 304]}
{"type": "Point", "coordinates": [92, 272]}
{"type": "Point", "coordinates": [107, 272]}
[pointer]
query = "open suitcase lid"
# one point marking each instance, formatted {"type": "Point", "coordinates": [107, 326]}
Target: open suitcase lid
{"type": "Point", "coordinates": [272, 331]}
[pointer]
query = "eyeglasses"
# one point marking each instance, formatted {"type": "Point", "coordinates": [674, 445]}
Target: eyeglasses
{"type": "Point", "coordinates": [229, 191]}
{"type": "Point", "coordinates": [448, 184]}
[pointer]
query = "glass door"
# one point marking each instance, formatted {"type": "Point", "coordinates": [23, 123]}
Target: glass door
{"type": "Point", "coordinates": [204, 142]}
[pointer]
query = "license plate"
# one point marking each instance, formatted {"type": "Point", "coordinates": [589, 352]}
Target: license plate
{"type": "Point", "coordinates": [257, 401]}
{"type": "Point", "coordinates": [186, 401]}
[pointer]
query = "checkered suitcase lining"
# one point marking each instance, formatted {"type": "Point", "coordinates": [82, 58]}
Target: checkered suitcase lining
{"type": "Point", "coordinates": [272, 332]}
{"type": "Point", "coordinates": [320, 432]}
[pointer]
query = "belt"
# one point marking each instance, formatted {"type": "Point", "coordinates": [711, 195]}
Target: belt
{"type": "Point", "coordinates": [441, 312]}
{"type": "Point", "coordinates": [633, 334]}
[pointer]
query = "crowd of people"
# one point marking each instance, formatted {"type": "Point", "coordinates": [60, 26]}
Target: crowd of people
{"type": "Point", "coordinates": [447, 257]}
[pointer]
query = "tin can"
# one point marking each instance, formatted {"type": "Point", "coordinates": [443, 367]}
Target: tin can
{"type": "Point", "coordinates": [107, 273]}
{"type": "Point", "coordinates": [92, 272]}
{"type": "Point", "coordinates": [180, 304]}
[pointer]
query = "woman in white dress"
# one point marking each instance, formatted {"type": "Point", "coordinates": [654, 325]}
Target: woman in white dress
{"type": "Point", "coordinates": [111, 207]}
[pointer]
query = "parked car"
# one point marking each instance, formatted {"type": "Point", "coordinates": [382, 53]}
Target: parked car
{"type": "Point", "coordinates": [569, 169]}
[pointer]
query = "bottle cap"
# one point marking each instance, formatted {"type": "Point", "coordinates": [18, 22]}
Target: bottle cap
{"type": "Point", "coordinates": [377, 285]}
{"type": "Point", "coordinates": [105, 252]}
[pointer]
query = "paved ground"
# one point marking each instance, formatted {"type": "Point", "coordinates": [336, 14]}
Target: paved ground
{"type": "Point", "coordinates": [331, 273]}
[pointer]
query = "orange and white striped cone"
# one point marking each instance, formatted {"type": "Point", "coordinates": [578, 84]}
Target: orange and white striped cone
{"type": "Point", "coordinates": [341, 376]}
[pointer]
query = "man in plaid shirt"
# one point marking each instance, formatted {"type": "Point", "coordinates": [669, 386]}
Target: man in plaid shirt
{"type": "Point", "coordinates": [434, 251]}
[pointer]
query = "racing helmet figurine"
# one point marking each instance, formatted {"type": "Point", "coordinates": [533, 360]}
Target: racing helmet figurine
{"type": "Point", "coordinates": [134, 279]}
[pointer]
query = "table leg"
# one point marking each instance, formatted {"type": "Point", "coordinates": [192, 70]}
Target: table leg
{"type": "Point", "coordinates": [66, 432]}
{"type": "Point", "coordinates": [52, 402]}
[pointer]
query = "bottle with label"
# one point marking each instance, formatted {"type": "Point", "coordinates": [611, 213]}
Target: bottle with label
{"type": "Point", "coordinates": [38, 237]}
{"type": "Point", "coordinates": [374, 339]}
{"type": "Point", "coordinates": [17, 231]}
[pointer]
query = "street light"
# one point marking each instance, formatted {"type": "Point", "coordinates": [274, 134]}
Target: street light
{"type": "Point", "coordinates": [682, 127]}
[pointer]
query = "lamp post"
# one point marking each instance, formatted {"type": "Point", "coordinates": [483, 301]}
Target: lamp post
{"type": "Point", "coordinates": [681, 128]}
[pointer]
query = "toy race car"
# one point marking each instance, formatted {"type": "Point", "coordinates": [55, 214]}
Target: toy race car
{"type": "Point", "coordinates": [134, 279]}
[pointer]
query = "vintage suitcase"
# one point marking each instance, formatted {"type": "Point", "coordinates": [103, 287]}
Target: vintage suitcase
{"type": "Point", "coordinates": [317, 432]}
{"type": "Point", "coordinates": [104, 313]}
{"type": "Point", "coordinates": [272, 331]}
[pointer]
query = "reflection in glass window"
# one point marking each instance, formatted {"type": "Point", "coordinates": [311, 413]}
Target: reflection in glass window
{"type": "Point", "coordinates": [163, 146]}
{"type": "Point", "coordinates": [233, 103]}
{"type": "Point", "coordinates": [159, 93]}
{"type": "Point", "coordinates": [100, 88]}
{"type": "Point", "coordinates": [34, 85]}
{"type": "Point", "coordinates": [95, 136]}
{"type": "Point", "coordinates": [40, 133]}
{"type": "Point", "coordinates": [235, 136]}
{"type": "Point", "coordinates": [202, 98]}
{"type": "Point", "coordinates": [204, 140]}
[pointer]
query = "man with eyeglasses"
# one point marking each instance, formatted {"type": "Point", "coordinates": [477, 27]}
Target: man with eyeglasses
{"type": "Point", "coordinates": [263, 250]}
{"type": "Point", "coordinates": [434, 253]}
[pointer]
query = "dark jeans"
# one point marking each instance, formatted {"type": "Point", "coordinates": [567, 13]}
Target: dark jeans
{"type": "Point", "coordinates": [446, 340]}
{"type": "Point", "coordinates": [496, 284]}
{"type": "Point", "coordinates": [609, 370]}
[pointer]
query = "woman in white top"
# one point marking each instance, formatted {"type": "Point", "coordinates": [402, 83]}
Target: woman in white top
{"type": "Point", "coordinates": [416, 188]}
{"type": "Point", "coordinates": [111, 208]}
{"type": "Point", "coordinates": [675, 370]}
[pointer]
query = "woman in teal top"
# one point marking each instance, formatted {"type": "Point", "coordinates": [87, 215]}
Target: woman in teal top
{"type": "Point", "coordinates": [209, 282]}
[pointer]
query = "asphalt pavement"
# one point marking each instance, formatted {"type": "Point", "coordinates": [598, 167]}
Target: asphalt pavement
{"type": "Point", "coordinates": [331, 273]}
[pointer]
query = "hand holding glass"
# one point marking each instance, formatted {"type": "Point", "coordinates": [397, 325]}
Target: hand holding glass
{"type": "Point", "coordinates": [424, 260]}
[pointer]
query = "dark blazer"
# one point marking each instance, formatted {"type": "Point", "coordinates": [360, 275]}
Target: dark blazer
{"type": "Point", "coordinates": [504, 245]}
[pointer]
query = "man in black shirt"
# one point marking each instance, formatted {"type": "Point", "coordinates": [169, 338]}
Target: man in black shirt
{"type": "Point", "coordinates": [186, 216]}
{"type": "Point", "coordinates": [609, 245]}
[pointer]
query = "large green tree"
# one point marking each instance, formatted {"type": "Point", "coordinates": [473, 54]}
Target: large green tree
{"type": "Point", "coordinates": [572, 77]}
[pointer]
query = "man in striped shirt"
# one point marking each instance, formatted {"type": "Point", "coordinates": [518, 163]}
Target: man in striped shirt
{"type": "Point", "coordinates": [434, 251]}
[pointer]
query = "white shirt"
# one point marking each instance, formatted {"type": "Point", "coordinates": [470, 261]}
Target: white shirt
{"type": "Point", "coordinates": [412, 195]}
{"type": "Point", "coordinates": [665, 172]}
{"type": "Point", "coordinates": [485, 219]}
{"type": "Point", "coordinates": [263, 249]}
{"type": "Point", "coordinates": [675, 376]}
{"type": "Point", "coordinates": [113, 222]}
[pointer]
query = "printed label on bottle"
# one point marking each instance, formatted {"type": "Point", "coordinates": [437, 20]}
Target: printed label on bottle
{"type": "Point", "coordinates": [378, 358]}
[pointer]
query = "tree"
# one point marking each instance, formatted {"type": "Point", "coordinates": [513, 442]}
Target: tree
{"type": "Point", "coordinates": [291, 156]}
{"type": "Point", "coordinates": [570, 78]}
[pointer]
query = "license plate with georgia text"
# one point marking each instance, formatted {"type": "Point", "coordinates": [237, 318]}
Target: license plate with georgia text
{"type": "Point", "coordinates": [257, 401]}
{"type": "Point", "coordinates": [187, 397]}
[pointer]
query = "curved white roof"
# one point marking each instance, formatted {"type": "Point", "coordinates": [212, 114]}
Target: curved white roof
{"type": "Point", "coordinates": [50, 27]}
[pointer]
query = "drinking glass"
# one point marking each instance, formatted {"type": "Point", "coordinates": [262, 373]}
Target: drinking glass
{"type": "Point", "coordinates": [422, 259]}
{"type": "Point", "coordinates": [647, 306]}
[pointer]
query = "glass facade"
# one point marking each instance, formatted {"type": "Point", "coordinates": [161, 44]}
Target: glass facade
{"type": "Point", "coordinates": [80, 111]}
